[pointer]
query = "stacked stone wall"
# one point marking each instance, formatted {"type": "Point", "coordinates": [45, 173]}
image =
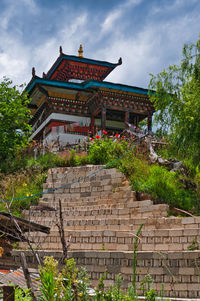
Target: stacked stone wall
{"type": "Point", "coordinates": [178, 273]}
{"type": "Point", "coordinates": [101, 215]}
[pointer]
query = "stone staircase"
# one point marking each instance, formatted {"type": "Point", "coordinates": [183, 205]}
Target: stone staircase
{"type": "Point", "coordinates": [102, 213]}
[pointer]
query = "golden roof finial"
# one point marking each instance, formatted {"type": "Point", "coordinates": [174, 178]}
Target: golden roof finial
{"type": "Point", "coordinates": [80, 51]}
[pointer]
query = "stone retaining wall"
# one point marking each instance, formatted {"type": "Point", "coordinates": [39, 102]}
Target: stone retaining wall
{"type": "Point", "coordinates": [178, 272]}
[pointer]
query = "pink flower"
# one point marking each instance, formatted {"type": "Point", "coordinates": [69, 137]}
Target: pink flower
{"type": "Point", "coordinates": [91, 139]}
{"type": "Point", "coordinates": [97, 136]}
{"type": "Point", "coordinates": [117, 135]}
{"type": "Point", "coordinates": [104, 132]}
{"type": "Point", "coordinates": [111, 136]}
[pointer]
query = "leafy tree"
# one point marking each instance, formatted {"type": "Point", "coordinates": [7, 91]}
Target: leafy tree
{"type": "Point", "coordinates": [14, 118]}
{"type": "Point", "coordinates": [177, 102]}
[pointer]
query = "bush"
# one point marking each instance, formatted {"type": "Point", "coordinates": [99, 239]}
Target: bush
{"type": "Point", "coordinates": [13, 163]}
{"type": "Point", "coordinates": [43, 162]}
{"type": "Point", "coordinates": [105, 150]}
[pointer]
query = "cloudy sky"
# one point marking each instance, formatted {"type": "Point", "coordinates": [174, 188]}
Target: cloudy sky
{"type": "Point", "coordinates": [147, 34]}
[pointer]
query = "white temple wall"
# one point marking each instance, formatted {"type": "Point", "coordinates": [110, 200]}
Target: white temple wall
{"type": "Point", "coordinates": [62, 117]}
{"type": "Point", "coordinates": [64, 138]}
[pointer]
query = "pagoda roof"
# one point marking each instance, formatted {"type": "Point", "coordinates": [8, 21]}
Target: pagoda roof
{"type": "Point", "coordinates": [75, 67]}
{"type": "Point", "coordinates": [84, 86]}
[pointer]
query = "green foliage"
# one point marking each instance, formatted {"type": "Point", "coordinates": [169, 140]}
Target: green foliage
{"type": "Point", "coordinates": [43, 162]}
{"type": "Point", "coordinates": [164, 186]}
{"type": "Point", "coordinates": [49, 287]}
{"type": "Point", "coordinates": [145, 286]}
{"type": "Point", "coordinates": [83, 284]}
{"type": "Point", "coordinates": [50, 280]}
{"type": "Point", "coordinates": [14, 118]}
{"type": "Point", "coordinates": [177, 102]}
{"type": "Point", "coordinates": [20, 185]}
{"type": "Point", "coordinates": [70, 272]}
{"type": "Point", "coordinates": [15, 162]}
{"type": "Point", "coordinates": [22, 294]}
{"type": "Point", "coordinates": [25, 177]}
{"type": "Point", "coordinates": [105, 150]}
{"type": "Point", "coordinates": [194, 245]}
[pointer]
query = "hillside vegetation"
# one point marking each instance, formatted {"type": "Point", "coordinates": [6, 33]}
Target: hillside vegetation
{"type": "Point", "coordinates": [25, 176]}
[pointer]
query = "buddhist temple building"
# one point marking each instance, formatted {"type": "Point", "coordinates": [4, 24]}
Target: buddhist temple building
{"type": "Point", "coordinates": [73, 100]}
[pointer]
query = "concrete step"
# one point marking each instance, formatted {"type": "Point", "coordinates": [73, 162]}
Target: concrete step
{"type": "Point", "coordinates": [84, 208]}
{"type": "Point", "coordinates": [85, 195]}
{"type": "Point", "coordinates": [74, 215]}
{"type": "Point", "coordinates": [150, 240]}
{"type": "Point", "coordinates": [110, 176]}
{"type": "Point", "coordinates": [109, 184]}
{"type": "Point", "coordinates": [89, 209]}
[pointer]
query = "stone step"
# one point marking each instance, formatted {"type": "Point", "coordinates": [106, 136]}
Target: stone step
{"type": "Point", "coordinates": [102, 209]}
{"type": "Point", "coordinates": [152, 222]}
{"type": "Point", "coordinates": [108, 184]}
{"type": "Point", "coordinates": [152, 240]}
{"type": "Point", "coordinates": [72, 215]}
{"type": "Point", "coordinates": [45, 208]}
{"type": "Point", "coordinates": [78, 179]}
{"type": "Point", "coordinates": [95, 195]}
{"type": "Point", "coordinates": [90, 205]}
{"type": "Point", "coordinates": [112, 225]}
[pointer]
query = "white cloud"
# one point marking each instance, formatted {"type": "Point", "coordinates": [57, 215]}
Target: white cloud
{"type": "Point", "coordinates": [14, 9]}
{"type": "Point", "coordinates": [69, 37]}
{"type": "Point", "coordinates": [31, 5]}
{"type": "Point", "coordinates": [150, 48]}
{"type": "Point", "coordinates": [6, 17]}
{"type": "Point", "coordinates": [14, 59]}
{"type": "Point", "coordinates": [117, 13]}
{"type": "Point", "coordinates": [110, 19]}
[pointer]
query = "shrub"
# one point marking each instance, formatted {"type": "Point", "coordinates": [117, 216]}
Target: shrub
{"type": "Point", "coordinates": [43, 162]}
{"type": "Point", "coordinates": [105, 150]}
{"type": "Point", "coordinates": [164, 186]}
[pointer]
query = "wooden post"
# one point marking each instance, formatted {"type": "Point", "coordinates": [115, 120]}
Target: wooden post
{"type": "Point", "coordinates": [27, 275]}
{"type": "Point", "coordinates": [135, 120]}
{"type": "Point", "coordinates": [103, 118]}
{"type": "Point", "coordinates": [127, 116]}
{"type": "Point", "coordinates": [8, 293]}
{"type": "Point", "coordinates": [92, 124]}
{"type": "Point", "coordinates": [149, 122]}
